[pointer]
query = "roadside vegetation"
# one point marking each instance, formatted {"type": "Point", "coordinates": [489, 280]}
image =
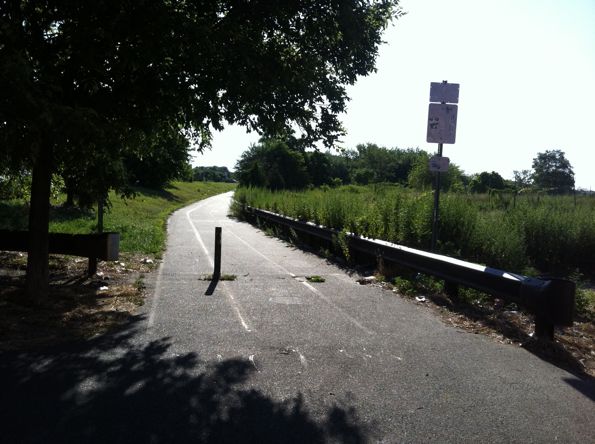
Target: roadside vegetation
{"type": "Point", "coordinates": [523, 233]}
{"type": "Point", "coordinates": [140, 219]}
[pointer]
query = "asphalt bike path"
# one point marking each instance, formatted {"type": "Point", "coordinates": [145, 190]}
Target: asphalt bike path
{"type": "Point", "coordinates": [407, 375]}
{"type": "Point", "coordinates": [272, 358]}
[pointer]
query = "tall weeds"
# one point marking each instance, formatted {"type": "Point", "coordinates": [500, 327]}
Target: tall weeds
{"type": "Point", "coordinates": [550, 234]}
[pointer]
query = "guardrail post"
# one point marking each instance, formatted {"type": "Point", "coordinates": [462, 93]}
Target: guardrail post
{"type": "Point", "coordinates": [555, 308]}
{"type": "Point", "coordinates": [544, 329]}
{"type": "Point", "coordinates": [92, 266]}
{"type": "Point", "coordinates": [452, 290]}
{"type": "Point", "coordinates": [217, 270]}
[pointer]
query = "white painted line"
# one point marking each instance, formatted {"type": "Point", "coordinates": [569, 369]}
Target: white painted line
{"type": "Point", "coordinates": [332, 304]}
{"type": "Point", "coordinates": [310, 287]}
{"type": "Point", "coordinates": [157, 295]}
{"type": "Point", "coordinates": [234, 304]}
{"type": "Point", "coordinates": [280, 267]}
{"type": "Point", "coordinates": [197, 235]}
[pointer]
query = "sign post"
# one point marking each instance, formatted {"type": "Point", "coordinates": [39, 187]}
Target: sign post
{"type": "Point", "coordinates": [442, 128]}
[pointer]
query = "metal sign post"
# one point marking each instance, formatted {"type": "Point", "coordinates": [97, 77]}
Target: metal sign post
{"type": "Point", "coordinates": [435, 214]}
{"type": "Point", "coordinates": [442, 128]}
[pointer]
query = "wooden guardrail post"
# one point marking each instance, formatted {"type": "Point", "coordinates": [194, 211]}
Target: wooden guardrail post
{"type": "Point", "coordinates": [92, 267]}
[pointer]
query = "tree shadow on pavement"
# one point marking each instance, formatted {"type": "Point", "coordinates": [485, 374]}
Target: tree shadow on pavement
{"type": "Point", "coordinates": [111, 390]}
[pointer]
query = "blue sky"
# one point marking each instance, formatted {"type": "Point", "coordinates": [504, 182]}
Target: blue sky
{"type": "Point", "coordinates": [527, 75]}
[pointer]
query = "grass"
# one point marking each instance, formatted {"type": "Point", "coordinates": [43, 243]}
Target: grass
{"type": "Point", "coordinates": [315, 278]}
{"type": "Point", "coordinates": [223, 277]}
{"type": "Point", "coordinates": [141, 221]}
{"type": "Point", "coordinates": [525, 234]}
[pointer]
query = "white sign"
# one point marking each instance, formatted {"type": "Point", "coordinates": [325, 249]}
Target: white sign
{"type": "Point", "coordinates": [442, 123]}
{"type": "Point", "coordinates": [439, 164]}
{"type": "Point", "coordinates": [444, 92]}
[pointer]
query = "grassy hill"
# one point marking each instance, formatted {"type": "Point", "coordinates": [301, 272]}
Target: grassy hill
{"type": "Point", "coordinates": [140, 220]}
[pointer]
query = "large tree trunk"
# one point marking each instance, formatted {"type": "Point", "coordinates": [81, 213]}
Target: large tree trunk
{"type": "Point", "coordinates": [37, 285]}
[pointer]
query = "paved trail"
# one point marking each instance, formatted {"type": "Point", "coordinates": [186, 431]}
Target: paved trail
{"type": "Point", "coordinates": [270, 357]}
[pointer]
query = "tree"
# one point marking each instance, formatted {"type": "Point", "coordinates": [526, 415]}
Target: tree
{"type": "Point", "coordinates": [319, 168]}
{"type": "Point", "coordinates": [14, 184]}
{"type": "Point", "coordinates": [551, 170]}
{"type": "Point", "coordinates": [483, 182]}
{"type": "Point", "coordinates": [211, 174]}
{"type": "Point", "coordinates": [272, 164]}
{"type": "Point", "coordinates": [339, 169]}
{"type": "Point", "coordinates": [99, 78]}
{"type": "Point", "coordinates": [386, 165]}
{"type": "Point", "coordinates": [162, 158]}
{"type": "Point", "coordinates": [522, 178]}
{"type": "Point", "coordinates": [422, 178]}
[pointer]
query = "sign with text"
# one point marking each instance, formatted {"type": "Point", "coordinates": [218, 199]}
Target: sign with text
{"type": "Point", "coordinates": [444, 92]}
{"type": "Point", "coordinates": [442, 123]}
{"type": "Point", "coordinates": [439, 164]}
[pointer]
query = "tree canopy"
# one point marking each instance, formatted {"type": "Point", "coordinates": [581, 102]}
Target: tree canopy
{"type": "Point", "coordinates": [552, 171]}
{"type": "Point", "coordinates": [83, 85]}
{"type": "Point", "coordinates": [484, 182]}
{"type": "Point", "coordinates": [212, 174]}
{"type": "Point", "coordinates": [421, 178]}
{"type": "Point", "coordinates": [272, 164]}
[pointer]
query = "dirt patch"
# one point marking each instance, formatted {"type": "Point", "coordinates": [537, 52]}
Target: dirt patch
{"type": "Point", "coordinates": [78, 306]}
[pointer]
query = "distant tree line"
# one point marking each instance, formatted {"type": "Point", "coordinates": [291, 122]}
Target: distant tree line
{"type": "Point", "coordinates": [285, 164]}
{"type": "Point", "coordinates": [281, 163]}
{"type": "Point", "coordinates": [212, 174]}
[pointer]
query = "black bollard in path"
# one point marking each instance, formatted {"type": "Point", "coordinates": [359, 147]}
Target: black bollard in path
{"type": "Point", "coordinates": [217, 271]}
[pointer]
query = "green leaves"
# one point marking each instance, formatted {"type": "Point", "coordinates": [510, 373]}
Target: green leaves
{"type": "Point", "coordinates": [552, 171]}
{"type": "Point", "coordinates": [97, 82]}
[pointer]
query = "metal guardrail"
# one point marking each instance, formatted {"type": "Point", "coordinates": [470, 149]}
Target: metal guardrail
{"type": "Point", "coordinates": [103, 246]}
{"type": "Point", "coordinates": [551, 300]}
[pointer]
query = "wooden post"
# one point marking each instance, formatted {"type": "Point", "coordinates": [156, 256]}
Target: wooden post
{"type": "Point", "coordinates": [92, 267]}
